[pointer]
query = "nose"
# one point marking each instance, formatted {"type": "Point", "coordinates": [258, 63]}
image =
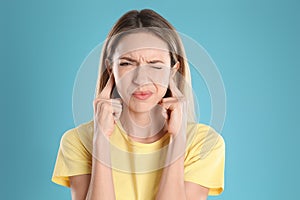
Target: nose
{"type": "Point", "coordinates": [140, 75]}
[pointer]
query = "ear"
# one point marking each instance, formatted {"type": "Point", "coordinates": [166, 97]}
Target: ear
{"type": "Point", "coordinates": [108, 65]}
{"type": "Point", "coordinates": [175, 68]}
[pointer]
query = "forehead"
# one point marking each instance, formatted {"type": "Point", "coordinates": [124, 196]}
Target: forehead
{"type": "Point", "coordinates": [146, 44]}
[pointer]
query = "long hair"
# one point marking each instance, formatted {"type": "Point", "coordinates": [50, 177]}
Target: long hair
{"type": "Point", "coordinates": [150, 21]}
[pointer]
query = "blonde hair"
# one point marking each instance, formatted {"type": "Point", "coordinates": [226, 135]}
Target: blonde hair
{"type": "Point", "coordinates": [149, 21]}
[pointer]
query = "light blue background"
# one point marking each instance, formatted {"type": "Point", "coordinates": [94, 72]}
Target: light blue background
{"type": "Point", "coordinates": [255, 45]}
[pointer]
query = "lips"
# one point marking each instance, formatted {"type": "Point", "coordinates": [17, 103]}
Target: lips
{"type": "Point", "coordinates": [142, 95]}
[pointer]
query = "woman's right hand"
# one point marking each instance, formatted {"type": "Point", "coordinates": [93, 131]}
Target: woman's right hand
{"type": "Point", "coordinates": [106, 111]}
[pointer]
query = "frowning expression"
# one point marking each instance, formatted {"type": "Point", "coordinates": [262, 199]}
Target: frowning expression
{"type": "Point", "coordinates": [141, 67]}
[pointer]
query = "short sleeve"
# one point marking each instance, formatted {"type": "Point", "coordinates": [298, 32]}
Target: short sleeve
{"type": "Point", "coordinates": [205, 160]}
{"type": "Point", "coordinates": [72, 159]}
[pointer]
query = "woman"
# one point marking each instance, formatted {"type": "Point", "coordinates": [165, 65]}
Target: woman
{"type": "Point", "coordinates": [143, 142]}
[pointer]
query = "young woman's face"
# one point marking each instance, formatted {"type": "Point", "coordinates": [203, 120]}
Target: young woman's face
{"type": "Point", "coordinates": [141, 67]}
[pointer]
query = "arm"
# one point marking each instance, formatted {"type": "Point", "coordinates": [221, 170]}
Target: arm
{"type": "Point", "coordinates": [172, 182]}
{"type": "Point", "coordinates": [105, 112]}
{"type": "Point", "coordinates": [101, 185]}
{"type": "Point", "coordinates": [82, 184]}
{"type": "Point", "coordinates": [79, 186]}
{"type": "Point", "coordinates": [94, 186]}
{"type": "Point", "coordinates": [173, 186]}
{"type": "Point", "coordinates": [195, 191]}
{"type": "Point", "coordinates": [98, 185]}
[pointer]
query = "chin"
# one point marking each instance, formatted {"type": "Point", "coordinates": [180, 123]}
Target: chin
{"type": "Point", "coordinates": [141, 106]}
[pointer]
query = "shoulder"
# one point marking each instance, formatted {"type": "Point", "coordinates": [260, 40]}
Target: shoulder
{"type": "Point", "coordinates": [205, 158]}
{"type": "Point", "coordinates": [78, 138]}
{"type": "Point", "coordinates": [204, 138]}
{"type": "Point", "coordinates": [73, 157]}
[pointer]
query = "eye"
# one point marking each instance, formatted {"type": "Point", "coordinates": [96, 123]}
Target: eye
{"type": "Point", "coordinates": [155, 64]}
{"type": "Point", "coordinates": [125, 63]}
{"type": "Point", "coordinates": [156, 67]}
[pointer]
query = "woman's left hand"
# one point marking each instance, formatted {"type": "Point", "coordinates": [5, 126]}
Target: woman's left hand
{"type": "Point", "coordinates": [175, 112]}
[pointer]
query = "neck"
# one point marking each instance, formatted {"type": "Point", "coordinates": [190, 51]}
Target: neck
{"type": "Point", "coordinates": [145, 127]}
{"type": "Point", "coordinates": [142, 119]}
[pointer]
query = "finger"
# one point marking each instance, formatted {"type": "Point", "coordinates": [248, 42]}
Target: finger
{"type": "Point", "coordinates": [105, 93]}
{"type": "Point", "coordinates": [109, 108]}
{"type": "Point", "coordinates": [165, 114]}
{"type": "Point", "coordinates": [113, 103]}
{"type": "Point", "coordinates": [175, 92]}
{"type": "Point", "coordinates": [117, 108]}
{"type": "Point", "coordinates": [168, 103]}
{"type": "Point", "coordinates": [117, 112]}
{"type": "Point", "coordinates": [116, 102]}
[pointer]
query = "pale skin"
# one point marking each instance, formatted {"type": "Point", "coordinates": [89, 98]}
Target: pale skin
{"type": "Point", "coordinates": [99, 184]}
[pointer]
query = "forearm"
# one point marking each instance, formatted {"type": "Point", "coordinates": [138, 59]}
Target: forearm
{"type": "Point", "coordinates": [101, 185]}
{"type": "Point", "coordinates": [172, 184]}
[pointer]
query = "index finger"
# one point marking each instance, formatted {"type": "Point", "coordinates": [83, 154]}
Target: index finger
{"type": "Point", "coordinates": [175, 92]}
{"type": "Point", "coordinates": [105, 93]}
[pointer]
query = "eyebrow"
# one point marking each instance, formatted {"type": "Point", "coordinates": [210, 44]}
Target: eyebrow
{"type": "Point", "coordinates": [133, 60]}
{"type": "Point", "coordinates": [127, 58]}
{"type": "Point", "coordinates": [156, 61]}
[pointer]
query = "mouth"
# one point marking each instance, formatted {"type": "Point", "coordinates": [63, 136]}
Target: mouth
{"type": "Point", "coordinates": [142, 95]}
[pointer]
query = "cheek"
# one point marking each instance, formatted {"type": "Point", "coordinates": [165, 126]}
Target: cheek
{"type": "Point", "coordinates": [161, 91]}
{"type": "Point", "coordinates": [124, 88]}
{"type": "Point", "coordinates": [121, 87]}
{"type": "Point", "coordinates": [121, 75]}
{"type": "Point", "coordinates": [160, 77]}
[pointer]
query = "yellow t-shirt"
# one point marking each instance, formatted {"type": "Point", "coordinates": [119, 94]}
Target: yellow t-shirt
{"type": "Point", "coordinates": [136, 172]}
